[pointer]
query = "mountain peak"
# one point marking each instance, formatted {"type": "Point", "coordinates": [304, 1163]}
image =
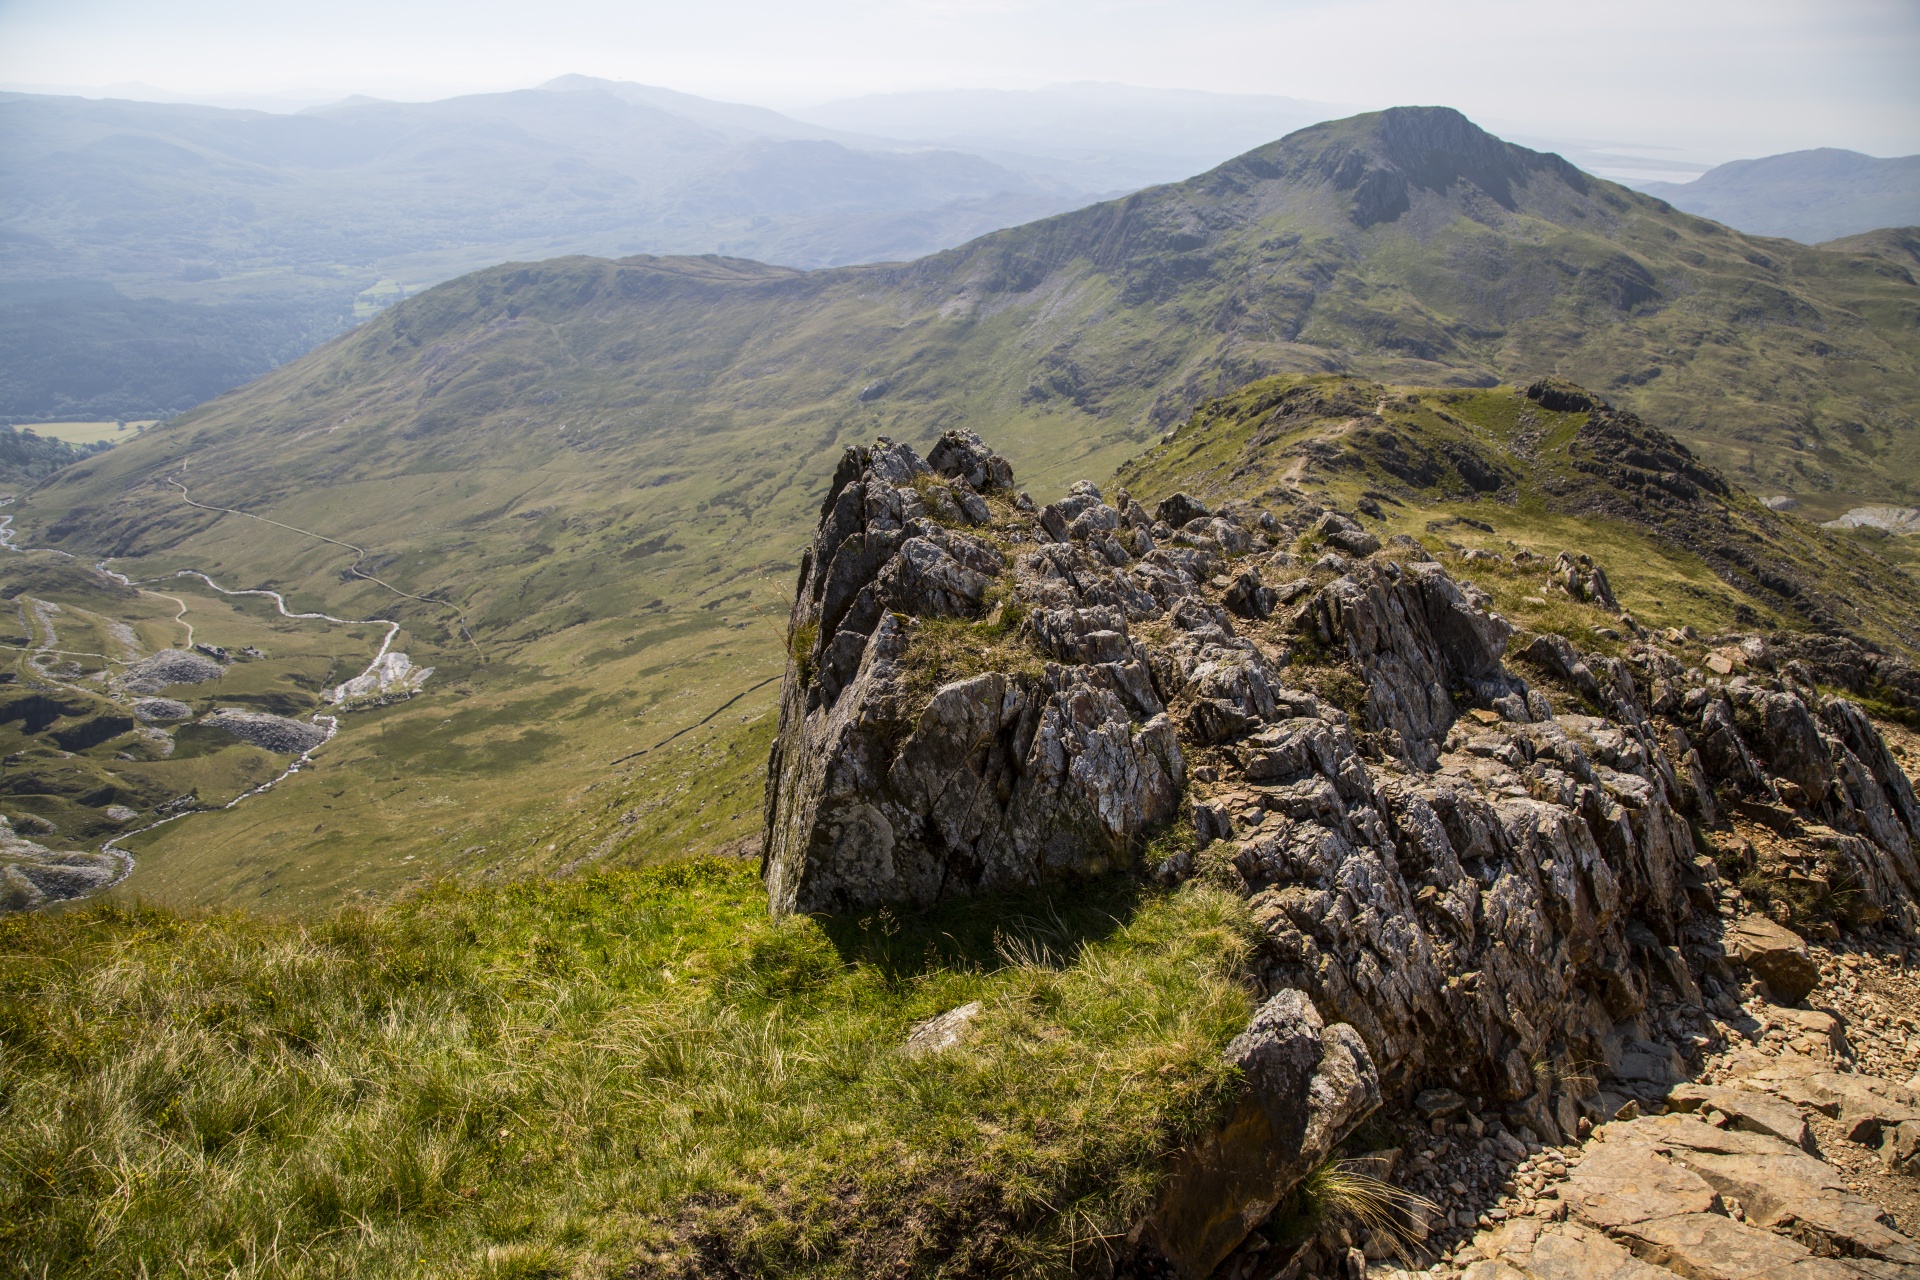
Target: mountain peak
{"type": "Point", "coordinates": [1384, 157]}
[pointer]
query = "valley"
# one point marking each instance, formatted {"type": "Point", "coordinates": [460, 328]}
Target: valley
{"type": "Point", "coordinates": [911, 659]}
{"type": "Point", "coordinates": [159, 254]}
{"type": "Point", "coordinates": [581, 485]}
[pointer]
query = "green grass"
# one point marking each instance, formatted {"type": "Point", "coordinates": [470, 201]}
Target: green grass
{"type": "Point", "coordinates": [114, 432]}
{"type": "Point", "coordinates": [1488, 470]}
{"type": "Point", "coordinates": [631, 1073]}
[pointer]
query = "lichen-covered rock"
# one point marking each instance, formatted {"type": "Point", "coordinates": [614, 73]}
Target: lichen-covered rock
{"type": "Point", "coordinates": [1489, 874]}
{"type": "Point", "coordinates": [1307, 1085]}
{"type": "Point", "coordinates": [882, 789]}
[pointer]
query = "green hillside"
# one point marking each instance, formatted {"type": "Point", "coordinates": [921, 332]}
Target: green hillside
{"type": "Point", "coordinates": [582, 485]}
{"type": "Point", "coordinates": [1540, 470]}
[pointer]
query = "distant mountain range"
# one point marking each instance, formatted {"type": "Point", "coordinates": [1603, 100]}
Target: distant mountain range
{"type": "Point", "coordinates": [1809, 196]}
{"type": "Point", "coordinates": [153, 255]}
{"type": "Point", "coordinates": [216, 243]}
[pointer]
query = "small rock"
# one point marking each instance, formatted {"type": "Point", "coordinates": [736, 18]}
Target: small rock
{"type": "Point", "coordinates": [938, 1034]}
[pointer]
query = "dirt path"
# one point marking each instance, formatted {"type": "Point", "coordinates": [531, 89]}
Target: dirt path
{"type": "Point", "coordinates": [360, 553]}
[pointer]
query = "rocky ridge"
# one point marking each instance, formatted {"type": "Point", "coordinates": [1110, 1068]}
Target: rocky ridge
{"type": "Point", "coordinates": [1497, 866]}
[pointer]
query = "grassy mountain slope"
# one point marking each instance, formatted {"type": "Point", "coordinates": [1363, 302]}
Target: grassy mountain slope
{"type": "Point", "coordinates": [1808, 196]}
{"type": "Point", "coordinates": [591, 479]}
{"type": "Point", "coordinates": [626, 1074]}
{"type": "Point", "coordinates": [1498, 470]}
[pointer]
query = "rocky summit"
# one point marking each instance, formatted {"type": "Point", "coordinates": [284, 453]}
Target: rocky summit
{"type": "Point", "coordinates": [1479, 861]}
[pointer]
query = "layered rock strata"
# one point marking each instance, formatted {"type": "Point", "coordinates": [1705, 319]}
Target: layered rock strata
{"type": "Point", "coordinates": [1484, 857]}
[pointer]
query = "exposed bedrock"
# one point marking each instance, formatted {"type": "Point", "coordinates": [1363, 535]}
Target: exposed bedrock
{"type": "Point", "coordinates": [885, 789]}
{"type": "Point", "coordinates": [1489, 869]}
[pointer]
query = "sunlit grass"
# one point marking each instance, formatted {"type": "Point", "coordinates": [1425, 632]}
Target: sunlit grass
{"type": "Point", "coordinates": [628, 1073]}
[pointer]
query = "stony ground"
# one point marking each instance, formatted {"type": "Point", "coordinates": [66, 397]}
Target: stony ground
{"type": "Point", "coordinates": [1782, 1156]}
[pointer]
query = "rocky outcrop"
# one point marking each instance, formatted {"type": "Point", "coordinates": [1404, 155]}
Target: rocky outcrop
{"type": "Point", "coordinates": [1479, 858]}
{"type": "Point", "coordinates": [890, 781]}
{"type": "Point", "coordinates": [1307, 1084]}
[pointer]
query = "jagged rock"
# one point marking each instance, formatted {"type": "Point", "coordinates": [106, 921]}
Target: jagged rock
{"type": "Point", "coordinates": [1342, 534]}
{"type": "Point", "coordinates": [1307, 1086]}
{"type": "Point", "coordinates": [1180, 509]}
{"type": "Point", "coordinates": [879, 793]}
{"type": "Point", "coordinates": [962, 455]}
{"type": "Point", "coordinates": [1776, 955]}
{"type": "Point", "coordinates": [1494, 897]}
{"type": "Point", "coordinates": [1416, 634]}
{"type": "Point", "coordinates": [1249, 597]}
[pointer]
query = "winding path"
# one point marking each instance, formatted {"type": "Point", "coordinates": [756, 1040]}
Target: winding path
{"type": "Point", "coordinates": [331, 723]}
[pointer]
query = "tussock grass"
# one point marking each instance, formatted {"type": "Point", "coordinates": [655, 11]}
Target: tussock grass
{"type": "Point", "coordinates": [943, 650]}
{"type": "Point", "coordinates": [1343, 1192]}
{"type": "Point", "coordinates": [632, 1072]}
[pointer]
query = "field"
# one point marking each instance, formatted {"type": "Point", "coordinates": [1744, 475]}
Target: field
{"type": "Point", "coordinates": [87, 432]}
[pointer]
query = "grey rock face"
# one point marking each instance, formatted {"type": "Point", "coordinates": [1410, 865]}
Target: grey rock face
{"type": "Point", "coordinates": [1476, 887]}
{"type": "Point", "coordinates": [1307, 1085]}
{"type": "Point", "coordinates": [882, 790]}
{"type": "Point", "coordinates": [161, 710]}
{"type": "Point", "coordinates": [962, 455]}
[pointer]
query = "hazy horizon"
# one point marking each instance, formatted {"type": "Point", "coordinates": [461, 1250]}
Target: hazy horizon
{"type": "Point", "coordinates": [1708, 81]}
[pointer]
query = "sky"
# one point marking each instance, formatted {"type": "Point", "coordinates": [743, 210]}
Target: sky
{"type": "Point", "coordinates": [1718, 79]}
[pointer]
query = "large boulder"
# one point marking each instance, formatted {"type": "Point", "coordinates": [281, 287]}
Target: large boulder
{"type": "Point", "coordinates": [1306, 1086]}
{"type": "Point", "coordinates": [894, 779]}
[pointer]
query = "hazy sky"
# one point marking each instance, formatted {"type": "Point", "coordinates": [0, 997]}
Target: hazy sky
{"type": "Point", "coordinates": [1732, 77]}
